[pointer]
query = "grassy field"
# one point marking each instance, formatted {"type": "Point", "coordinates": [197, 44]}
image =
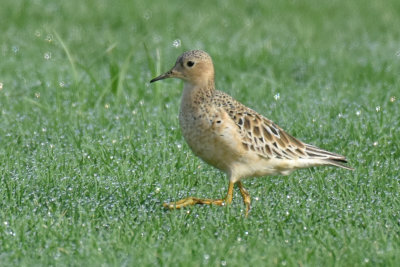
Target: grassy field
{"type": "Point", "coordinates": [89, 150]}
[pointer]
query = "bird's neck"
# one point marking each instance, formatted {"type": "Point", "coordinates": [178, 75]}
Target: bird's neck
{"type": "Point", "coordinates": [194, 94]}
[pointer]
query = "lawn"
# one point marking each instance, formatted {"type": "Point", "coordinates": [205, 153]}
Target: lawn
{"type": "Point", "coordinates": [89, 150]}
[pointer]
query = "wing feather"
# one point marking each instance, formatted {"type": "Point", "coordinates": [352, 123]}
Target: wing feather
{"type": "Point", "coordinates": [268, 140]}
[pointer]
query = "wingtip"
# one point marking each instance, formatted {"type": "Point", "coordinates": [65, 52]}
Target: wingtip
{"type": "Point", "coordinates": [340, 163]}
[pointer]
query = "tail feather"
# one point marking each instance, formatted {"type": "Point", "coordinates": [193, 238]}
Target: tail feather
{"type": "Point", "coordinates": [329, 157]}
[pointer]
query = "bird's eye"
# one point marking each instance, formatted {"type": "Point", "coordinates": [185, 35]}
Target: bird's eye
{"type": "Point", "coordinates": [190, 64]}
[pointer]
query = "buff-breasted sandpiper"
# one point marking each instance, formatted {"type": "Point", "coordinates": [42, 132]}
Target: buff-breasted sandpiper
{"type": "Point", "coordinates": [232, 137]}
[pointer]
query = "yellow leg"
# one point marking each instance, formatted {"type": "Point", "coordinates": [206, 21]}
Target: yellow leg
{"type": "Point", "coordinates": [194, 200]}
{"type": "Point", "coordinates": [246, 197]}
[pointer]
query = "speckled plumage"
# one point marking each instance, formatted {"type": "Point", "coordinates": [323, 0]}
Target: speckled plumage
{"type": "Point", "coordinates": [232, 137]}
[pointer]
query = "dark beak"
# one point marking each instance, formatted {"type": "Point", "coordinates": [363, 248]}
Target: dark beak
{"type": "Point", "coordinates": [166, 75]}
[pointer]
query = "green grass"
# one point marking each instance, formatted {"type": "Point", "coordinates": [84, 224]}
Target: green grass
{"type": "Point", "coordinates": [89, 150]}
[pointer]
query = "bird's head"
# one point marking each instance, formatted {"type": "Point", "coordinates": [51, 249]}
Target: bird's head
{"type": "Point", "coordinates": [194, 67]}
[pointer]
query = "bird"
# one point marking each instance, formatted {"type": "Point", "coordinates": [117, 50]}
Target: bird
{"type": "Point", "coordinates": [232, 137]}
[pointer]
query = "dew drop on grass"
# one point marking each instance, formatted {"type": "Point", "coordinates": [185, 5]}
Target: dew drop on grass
{"type": "Point", "coordinates": [176, 43]}
{"type": "Point", "coordinates": [49, 38]}
{"type": "Point", "coordinates": [147, 15]}
{"type": "Point", "coordinates": [47, 56]}
{"type": "Point", "coordinates": [15, 49]}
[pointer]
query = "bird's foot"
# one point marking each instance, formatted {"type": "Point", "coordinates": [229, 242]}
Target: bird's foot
{"type": "Point", "coordinates": [193, 201]}
{"type": "Point", "coordinates": [246, 197]}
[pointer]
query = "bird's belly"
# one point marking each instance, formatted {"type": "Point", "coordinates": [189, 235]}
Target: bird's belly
{"type": "Point", "coordinates": [206, 142]}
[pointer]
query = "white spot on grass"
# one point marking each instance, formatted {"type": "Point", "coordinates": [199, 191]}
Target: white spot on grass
{"type": "Point", "coordinates": [1, 85]}
{"type": "Point", "coordinates": [107, 106]}
{"type": "Point", "coordinates": [47, 55]}
{"type": "Point", "coordinates": [358, 112]}
{"type": "Point", "coordinates": [378, 108]}
{"type": "Point", "coordinates": [37, 95]}
{"type": "Point", "coordinates": [15, 49]}
{"type": "Point", "coordinates": [375, 143]}
{"type": "Point", "coordinates": [392, 99]}
{"type": "Point", "coordinates": [176, 43]}
{"type": "Point", "coordinates": [277, 96]}
{"type": "Point", "coordinates": [61, 84]}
